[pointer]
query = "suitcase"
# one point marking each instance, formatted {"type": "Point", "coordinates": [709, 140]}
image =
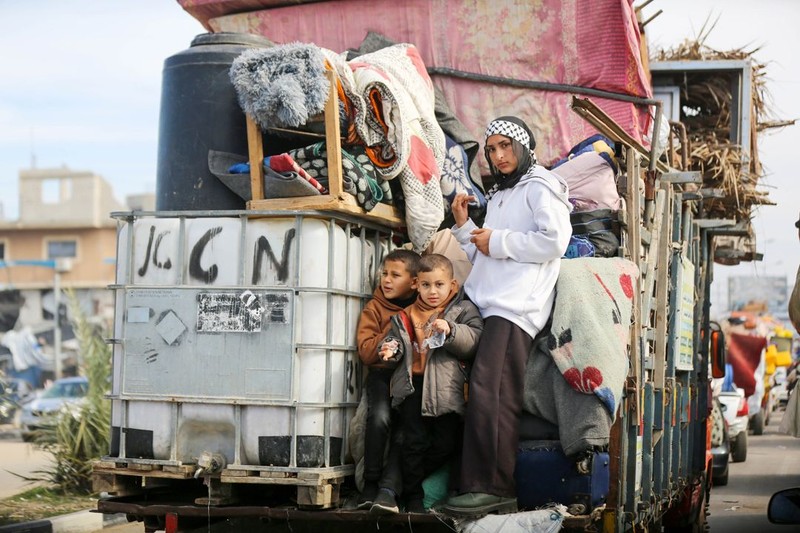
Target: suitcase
{"type": "Point", "coordinates": [544, 475]}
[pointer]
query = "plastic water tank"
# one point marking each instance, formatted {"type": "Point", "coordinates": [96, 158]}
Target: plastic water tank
{"type": "Point", "coordinates": [200, 112]}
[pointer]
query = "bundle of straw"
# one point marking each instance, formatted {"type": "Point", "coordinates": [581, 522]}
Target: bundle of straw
{"type": "Point", "coordinates": [706, 110]}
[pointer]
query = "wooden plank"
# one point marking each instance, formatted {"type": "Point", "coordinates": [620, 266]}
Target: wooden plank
{"type": "Point", "coordinates": [600, 120]}
{"type": "Point", "coordinates": [134, 472]}
{"type": "Point", "coordinates": [255, 148]}
{"type": "Point", "coordinates": [332, 136]}
{"type": "Point", "coordinates": [319, 497]}
{"type": "Point", "coordinates": [662, 291]}
{"type": "Point", "coordinates": [382, 213]}
{"type": "Point", "coordinates": [634, 198]}
{"type": "Point", "coordinates": [114, 484]}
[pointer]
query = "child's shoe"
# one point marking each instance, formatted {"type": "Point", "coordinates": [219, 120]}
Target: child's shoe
{"type": "Point", "coordinates": [367, 496]}
{"type": "Point", "coordinates": [385, 503]}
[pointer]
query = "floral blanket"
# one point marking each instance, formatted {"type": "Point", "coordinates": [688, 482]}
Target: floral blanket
{"type": "Point", "coordinates": [401, 133]}
{"type": "Point", "coordinates": [591, 325]}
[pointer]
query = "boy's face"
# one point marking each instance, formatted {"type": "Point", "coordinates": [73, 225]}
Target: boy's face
{"type": "Point", "coordinates": [396, 281]}
{"type": "Point", "coordinates": [435, 286]}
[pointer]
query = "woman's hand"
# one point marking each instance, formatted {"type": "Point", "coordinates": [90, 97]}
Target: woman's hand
{"type": "Point", "coordinates": [459, 207]}
{"type": "Point", "coordinates": [480, 238]}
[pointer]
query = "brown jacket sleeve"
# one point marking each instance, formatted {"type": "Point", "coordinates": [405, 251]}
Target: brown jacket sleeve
{"type": "Point", "coordinates": [370, 334]}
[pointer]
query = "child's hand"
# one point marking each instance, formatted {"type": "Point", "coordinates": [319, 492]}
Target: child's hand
{"type": "Point", "coordinates": [388, 349]}
{"type": "Point", "coordinates": [441, 325]}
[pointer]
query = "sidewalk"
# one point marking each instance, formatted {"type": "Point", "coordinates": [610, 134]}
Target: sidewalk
{"type": "Point", "coordinates": [80, 522]}
{"type": "Point", "coordinates": [8, 431]}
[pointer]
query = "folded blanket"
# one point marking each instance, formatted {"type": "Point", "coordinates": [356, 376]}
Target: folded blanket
{"type": "Point", "coordinates": [583, 421]}
{"type": "Point", "coordinates": [591, 325]}
{"type": "Point", "coordinates": [358, 175]}
{"type": "Point", "coordinates": [401, 133]}
{"type": "Point", "coordinates": [285, 163]}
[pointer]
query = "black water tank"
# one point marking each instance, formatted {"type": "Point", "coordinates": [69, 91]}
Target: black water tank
{"type": "Point", "coordinates": [200, 112]}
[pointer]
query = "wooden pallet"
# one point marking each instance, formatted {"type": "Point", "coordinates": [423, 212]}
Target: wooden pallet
{"type": "Point", "coordinates": [317, 489]}
{"type": "Point", "coordinates": [337, 199]}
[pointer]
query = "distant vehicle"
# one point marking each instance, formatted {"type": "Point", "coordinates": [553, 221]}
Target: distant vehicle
{"type": "Point", "coordinates": [720, 446]}
{"type": "Point", "coordinates": [778, 393]}
{"type": "Point", "coordinates": [63, 392]}
{"type": "Point", "coordinates": [736, 412]}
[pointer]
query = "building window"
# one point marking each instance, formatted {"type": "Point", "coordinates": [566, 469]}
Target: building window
{"type": "Point", "coordinates": [57, 190]}
{"type": "Point", "coordinates": [2, 251]}
{"type": "Point", "coordinates": [59, 249]}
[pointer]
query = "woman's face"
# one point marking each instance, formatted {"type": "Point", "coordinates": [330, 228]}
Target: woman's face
{"type": "Point", "coordinates": [501, 153]}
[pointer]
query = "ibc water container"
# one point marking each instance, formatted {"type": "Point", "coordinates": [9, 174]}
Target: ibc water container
{"type": "Point", "coordinates": [200, 112]}
{"type": "Point", "coordinates": [193, 374]}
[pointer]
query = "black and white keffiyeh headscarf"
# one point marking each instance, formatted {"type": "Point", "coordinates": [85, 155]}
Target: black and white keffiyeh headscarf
{"type": "Point", "coordinates": [522, 144]}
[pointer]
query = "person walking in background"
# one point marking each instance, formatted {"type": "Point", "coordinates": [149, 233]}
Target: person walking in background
{"type": "Point", "coordinates": [790, 424]}
{"type": "Point", "coordinates": [794, 300]}
{"type": "Point", "coordinates": [516, 259]}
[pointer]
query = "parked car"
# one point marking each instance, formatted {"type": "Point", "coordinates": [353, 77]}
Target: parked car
{"type": "Point", "coordinates": [736, 412]}
{"type": "Point", "coordinates": [720, 446]}
{"type": "Point", "coordinates": [63, 392]}
{"type": "Point", "coordinates": [778, 393]}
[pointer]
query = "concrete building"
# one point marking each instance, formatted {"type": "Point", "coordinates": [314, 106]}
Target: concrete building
{"type": "Point", "coordinates": [64, 225]}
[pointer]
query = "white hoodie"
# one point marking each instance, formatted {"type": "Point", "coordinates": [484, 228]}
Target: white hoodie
{"type": "Point", "coordinates": [530, 233]}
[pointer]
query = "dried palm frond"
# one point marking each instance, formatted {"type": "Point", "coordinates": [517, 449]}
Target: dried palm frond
{"type": "Point", "coordinates": [707, 106]}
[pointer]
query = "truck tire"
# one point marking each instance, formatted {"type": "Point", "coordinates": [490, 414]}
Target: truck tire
{"type": "Point", "coordinates": [739, 453]}
{"type": "Point", "coordinates": [757, 423]}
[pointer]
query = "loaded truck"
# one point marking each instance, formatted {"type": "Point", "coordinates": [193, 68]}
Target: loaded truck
{"type": "Point", "coordinates": [236, 377]}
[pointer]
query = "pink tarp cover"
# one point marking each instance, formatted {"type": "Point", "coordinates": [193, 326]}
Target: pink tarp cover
{"type": "Point", "coordinates": [589, 44]}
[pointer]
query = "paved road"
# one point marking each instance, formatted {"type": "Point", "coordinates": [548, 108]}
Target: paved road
{"type": "Point", "coordinates": [773, 463]}
{"type": "Point", "coordinates": [21, 458]}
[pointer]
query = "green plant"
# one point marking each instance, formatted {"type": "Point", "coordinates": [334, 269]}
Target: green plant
{"type": "Point", "coordinates": [80, 434]}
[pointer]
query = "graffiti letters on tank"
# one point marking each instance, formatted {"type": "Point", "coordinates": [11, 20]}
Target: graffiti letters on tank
{"type": "Point", "coordinates": [212, 253]}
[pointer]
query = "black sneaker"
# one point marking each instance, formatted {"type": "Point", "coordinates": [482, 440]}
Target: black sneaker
{"type": "Point", "coordinates": [415, 506]}
{"type": "Point", "coordinates": [367, 497]}
{"type": "Point", "coordinates": [385, 503]}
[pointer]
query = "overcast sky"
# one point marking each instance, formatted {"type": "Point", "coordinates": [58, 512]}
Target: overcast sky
{"type": "Point", "coordinates": [80, 86]}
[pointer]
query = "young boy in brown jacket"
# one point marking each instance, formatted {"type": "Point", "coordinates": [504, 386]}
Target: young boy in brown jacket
{"type": "Point", "coordinates": [396, 290]}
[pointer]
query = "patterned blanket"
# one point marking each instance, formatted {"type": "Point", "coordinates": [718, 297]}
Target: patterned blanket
{"type": "Point", "coordinates": [400, 131]}
{"type": "Point", "coordinates": [590, 329]}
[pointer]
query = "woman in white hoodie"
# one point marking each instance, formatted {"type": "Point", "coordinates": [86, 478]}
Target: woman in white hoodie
{"type": "Point", "coordinates": [516, 258]}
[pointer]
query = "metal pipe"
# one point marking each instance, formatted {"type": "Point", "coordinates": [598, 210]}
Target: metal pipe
{"type": "Point", "coordinates": [543, 86]}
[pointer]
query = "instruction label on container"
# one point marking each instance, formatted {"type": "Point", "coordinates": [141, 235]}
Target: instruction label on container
{"type": "Point", "coordinates": [244, 312]}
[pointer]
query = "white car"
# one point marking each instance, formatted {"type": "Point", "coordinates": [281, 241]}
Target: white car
{"type": "Point", "coordinates": [778, 393]}
{"type": "Point", "coordinates": [736, 412]}
{"type": "Point", "coordinates": [63, 392]}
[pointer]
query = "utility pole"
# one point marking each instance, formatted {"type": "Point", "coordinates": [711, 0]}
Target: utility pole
{"type": "Point", "coordinates": [61, 265]}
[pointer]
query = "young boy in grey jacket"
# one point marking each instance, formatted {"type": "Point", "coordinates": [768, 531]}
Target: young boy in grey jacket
{"type": "Point", "coordinates": [431, 342]}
